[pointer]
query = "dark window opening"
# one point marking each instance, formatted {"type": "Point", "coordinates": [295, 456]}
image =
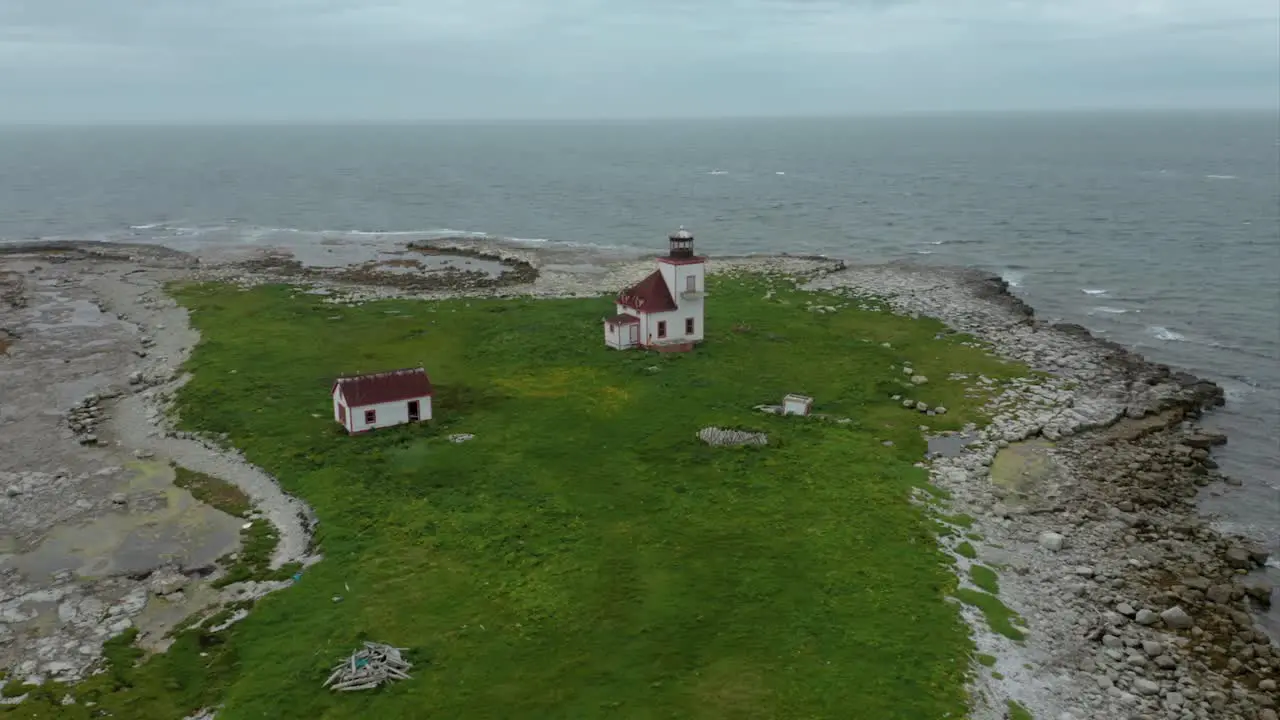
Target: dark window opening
{"type": "Point", "coordinates": [414, 412]}
{"type": "Point", "coordinates": [662, 328]}
{"type": "Point", "coordinates": [370, 417]}
{"type": "Point", "coordinates": [688, 326]}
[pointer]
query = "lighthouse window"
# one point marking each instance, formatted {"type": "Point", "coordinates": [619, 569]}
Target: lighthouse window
{"type": "Point", "coordinates": [662, 328]}
{"type": "Point", "coordinates": [688, 326]}
{"type": "Point", "coordinates": [691, 283]}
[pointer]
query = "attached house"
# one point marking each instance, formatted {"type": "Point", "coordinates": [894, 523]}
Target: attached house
{"type": "Point", "coordinates": [664, 311]}
{"type": "Point", "coordinates": [364, 402]}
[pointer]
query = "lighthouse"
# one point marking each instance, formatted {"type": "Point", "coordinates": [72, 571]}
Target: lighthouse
{"type": "Point", "coordinates": [665, 310]}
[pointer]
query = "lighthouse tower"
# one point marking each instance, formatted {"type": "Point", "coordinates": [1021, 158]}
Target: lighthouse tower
{"type": "Point", "coordinates": [664, 311]}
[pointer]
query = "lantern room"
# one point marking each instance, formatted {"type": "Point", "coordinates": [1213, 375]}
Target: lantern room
{"type": "Point", "coordinates": [681, 243]}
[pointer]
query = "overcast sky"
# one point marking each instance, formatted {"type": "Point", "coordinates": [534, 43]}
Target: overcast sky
{"type": "Point", "coordinates": [332, 60]}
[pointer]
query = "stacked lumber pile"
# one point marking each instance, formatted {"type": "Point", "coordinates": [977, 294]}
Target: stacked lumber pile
{"type": "Point", "coordinates": [369, 667]}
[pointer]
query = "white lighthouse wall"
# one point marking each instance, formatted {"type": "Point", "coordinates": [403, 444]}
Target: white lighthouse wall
{"type": "Point", "coordinates": [675, 326]}
{"type": "Point", "coordinates": [677, 279]}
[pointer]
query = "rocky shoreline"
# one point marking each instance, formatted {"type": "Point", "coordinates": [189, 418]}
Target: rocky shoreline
{"type": "Point", "coordinates": [1135, 608]}
{"type": "Point", "coordinates": [1081, 489]}
{"type": "Point", "coordinates": [86, 384]}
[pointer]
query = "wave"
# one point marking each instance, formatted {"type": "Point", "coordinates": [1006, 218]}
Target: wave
{"type": "Point", "coordinates": [924, 252]}
{"type": "Point", "coordinates": [1238, 387]}
{"type": "Point", "coordinates": [1220, 177]}
{"type": "Point", "coordinates": [1163, 333]}
{"type": "Point", "coordinates": [1013, 277]}
{"type": "Point", "coordinates": [718, 172]}
{"type": "Point", "coordinates": [1111, 310]}
{"type": "Point", "coordinates": [779, 172]}
{"type": "Point", "coordinates": [441, 232]}
{"type": "Point", "coordinates": [192, 238]}
{"type": "Point", "coordinates": [1091, 291]}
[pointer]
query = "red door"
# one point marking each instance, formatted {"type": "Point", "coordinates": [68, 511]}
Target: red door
{"type": "Point", "coordinates": [342, 415]}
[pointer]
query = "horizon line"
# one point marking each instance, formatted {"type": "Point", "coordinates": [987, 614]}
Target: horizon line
{"type": "Point", "coordinates": [550, 120]}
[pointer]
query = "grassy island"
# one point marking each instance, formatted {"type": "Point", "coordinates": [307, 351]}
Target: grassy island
{"type": "Point", "coordinates": [584, 556]}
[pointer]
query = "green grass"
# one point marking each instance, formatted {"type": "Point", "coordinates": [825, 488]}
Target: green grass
{"type": "Point", "coordinates": [253, 561]}
{"type": "Point", "coordinates": [985, 578]}
{"type": "Point", "coordinates": [986, 660]}
{"type": "Point", "coordinates": [212, 491]}
{"type": "Point", "coordinates": [961, 521]}
{"type": "Point", "coordinates": [1017, 712]}
{"type": "Point", "coordinates": [584, 556]}
{"type": "Point", "coordinates": [14, 688]}
{"type": "Point", "coordinates": [964, 549]}
{"type": "Point", "coordinates": [999, 617]}
{"type": "Point", "coordinates": [257, 542]}
{"type": "Point", "coordinates": [936, 492]}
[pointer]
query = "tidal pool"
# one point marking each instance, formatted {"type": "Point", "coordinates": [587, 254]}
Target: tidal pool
{"type": "Point", "coordinates": [161, 524]}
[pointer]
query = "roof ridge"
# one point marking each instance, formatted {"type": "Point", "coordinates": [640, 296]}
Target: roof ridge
{"type": "Point", "coordinates": [383, 373]}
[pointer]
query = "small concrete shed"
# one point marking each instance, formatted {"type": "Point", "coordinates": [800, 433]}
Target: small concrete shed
{"type": "Point", "coordinates": [796, 404]}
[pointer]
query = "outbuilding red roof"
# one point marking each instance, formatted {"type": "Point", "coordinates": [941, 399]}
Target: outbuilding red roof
{"type": "Point", "coordinates": [650, 295]}
{"type": "Point", "coordinates": [622, 319]}
{"type": "Point", "coordinates": [384, 387]}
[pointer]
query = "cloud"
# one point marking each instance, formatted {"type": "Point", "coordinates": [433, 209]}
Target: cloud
{"type": "Point", "coordinates": [433, 58]}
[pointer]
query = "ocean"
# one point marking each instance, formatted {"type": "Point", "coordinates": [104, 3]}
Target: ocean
{"type": "Point", "coordinates": [1158, 230]}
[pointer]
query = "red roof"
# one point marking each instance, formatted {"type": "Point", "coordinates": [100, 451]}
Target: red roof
{"type": "Point", "coordinates": [384, 387]}
{"type": "Point", "coordinates": [650, 295]}
{"type": "Point", "coordinates": [622, 319]}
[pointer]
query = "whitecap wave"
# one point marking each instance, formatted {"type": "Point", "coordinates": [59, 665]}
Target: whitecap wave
{"type": "Point", "coordinates": [718, 172]}
{"type": "Point", "coordinates": [936, 242]}
{"type": "Point", "coordinates": [1013, 277]}
{"type": "Point", "coordinates": [440, 232]}
{"type": "Point", "coordinates": [1092, 291]}
{"type": "Point", "coordinates": [1110, 310]}
{"type": "Point", "coordinates": [779, 172]}
{"type": "Point", "coordinates": [924, 252]}
{"type": "Point", "coordinates": [1236, 389]}
{"type": "Point", "coordinates": [193, 238]}
{"type": "Point", "coordinates": [1163, 333]}
{"type": "Point", "coordinates": [1220, 177]}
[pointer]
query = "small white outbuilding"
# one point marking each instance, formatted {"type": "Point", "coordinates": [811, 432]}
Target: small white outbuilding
{"type": "Point", "coordinates": [796, 404]}
{"type": "Point", "coordinates": [364, 402]}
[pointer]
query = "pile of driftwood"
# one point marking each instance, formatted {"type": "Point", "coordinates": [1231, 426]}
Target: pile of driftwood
{"type": "Point", "coordinates": [721, 437]}
{"type": "Point", "coordinates": [369, 667]}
